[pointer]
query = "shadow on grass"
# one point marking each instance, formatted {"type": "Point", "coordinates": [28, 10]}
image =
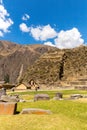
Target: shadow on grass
{"type": "Point", "coordinates": [17, 112]}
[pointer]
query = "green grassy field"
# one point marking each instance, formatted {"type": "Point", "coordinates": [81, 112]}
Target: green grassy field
{"type": "Point", "coordinates": [66, 114]}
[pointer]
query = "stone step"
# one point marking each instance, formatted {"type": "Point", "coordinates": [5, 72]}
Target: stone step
{"type": "Point", "coordinates": [81, 87]}
{"type": "Point", "coordinates": [78, 83]}
{"type": "Point", "coordinates": [52, 58]}
{"type": "Point", "coordinates": [85, 79]}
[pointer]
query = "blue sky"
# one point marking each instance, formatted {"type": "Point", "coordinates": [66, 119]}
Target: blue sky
{"type": "Point", "coordinates": [60, 23]}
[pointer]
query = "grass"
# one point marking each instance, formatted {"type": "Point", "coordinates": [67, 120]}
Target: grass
{"type": "Point", "coordinates": [51, 93]}
{"type": "Point", "coordinates": [67, 114]}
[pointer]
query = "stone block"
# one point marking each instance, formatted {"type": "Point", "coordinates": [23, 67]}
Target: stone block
{"type": "Point", "coordinates": [8, 98]}
{"type": "Point", "coordinates": [41, 97]}
{"type": "Point", "coordinates": [8, 108]}
{"type": "Point", "coordinates": [59, 95]}
{"type": "Point", "coordinates": [2, 92]}
{"type": "Point", "coordinates": [76, 96]}
{"type": "Point", "coordinates": [35, 111]}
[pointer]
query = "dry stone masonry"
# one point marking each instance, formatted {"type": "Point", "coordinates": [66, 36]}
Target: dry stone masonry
{"type": "Point", "coordinates": [35, 111]}
{"type": "Point", "coordinates": [41, 97]}
{"type": "Point", "coordinates": [8, 108]}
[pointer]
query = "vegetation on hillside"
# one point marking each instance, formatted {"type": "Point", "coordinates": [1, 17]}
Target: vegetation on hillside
{"type": "Point", "coordinates": [59, 65]}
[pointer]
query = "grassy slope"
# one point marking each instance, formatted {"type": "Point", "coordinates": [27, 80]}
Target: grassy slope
{"type": "Point", "coordinates": [67, 115]}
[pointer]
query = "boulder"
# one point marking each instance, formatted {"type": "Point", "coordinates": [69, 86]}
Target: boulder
{"type": "Point", "coordinates": [8, 108]}
{"type": "Point", "coordinates": [9, 98]}
{"type": "Point", "coordinates": [57, 98]}
{"type": "Point", "coordinates": [35, 111]}
{"type": "Point", "coordinates": [59, 95]}
{"type": "Point", "coordinates": [41, 97]}
{"type": "Point", "coordinates": [76, 96]}
{"type": "Point", "coordinates": [2, 92]}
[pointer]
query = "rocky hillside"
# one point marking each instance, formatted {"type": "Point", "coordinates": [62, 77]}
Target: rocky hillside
{"type": "Point", "coordinates": [57, 66]}
{"type": "Point", "coordinates": [44, 64]}
{"type": "Point", "coordinates": [15, 59]}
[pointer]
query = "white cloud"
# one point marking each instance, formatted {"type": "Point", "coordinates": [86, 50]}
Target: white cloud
{"type": "Point", "coordinates": [67, 39]}
{"type": "Point", "coordinates": [63, 39]}
{"type": "Point", "coordinates": [35, 32]}
{"type": "Point", "coordinates": [1, 34]}
{"type": "Point", "coordinates": [23, 27]}
{"type": "Point", "coordinates": [5, 20]}
{"type": "Point", "coordinates": [43, 32]}
{"type": "Point", "coordinates": [49, 44]}
{"type": "Point", "coordinates": [25, 17]}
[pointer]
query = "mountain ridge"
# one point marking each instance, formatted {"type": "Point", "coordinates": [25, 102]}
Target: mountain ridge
{"type": "Point", "coordinates": [12, 56]}
{"type": "Point", "coordinates": [44, 64]}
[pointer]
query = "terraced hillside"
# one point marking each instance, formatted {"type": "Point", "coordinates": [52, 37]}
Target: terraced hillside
{"type": "Point", "coordinates": [44, 64]}
{"type": "Point", "coordinates": [47, 69]}
{"type": "Point", "coordinates": [59, 67]}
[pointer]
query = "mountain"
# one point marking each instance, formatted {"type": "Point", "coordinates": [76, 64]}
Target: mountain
{"type": "Point", "coordinates": [57, 66]}
{"type": "Point", "coordinates": [15, 59]}
{"type": "Point", "coordinates": [44, 64]}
